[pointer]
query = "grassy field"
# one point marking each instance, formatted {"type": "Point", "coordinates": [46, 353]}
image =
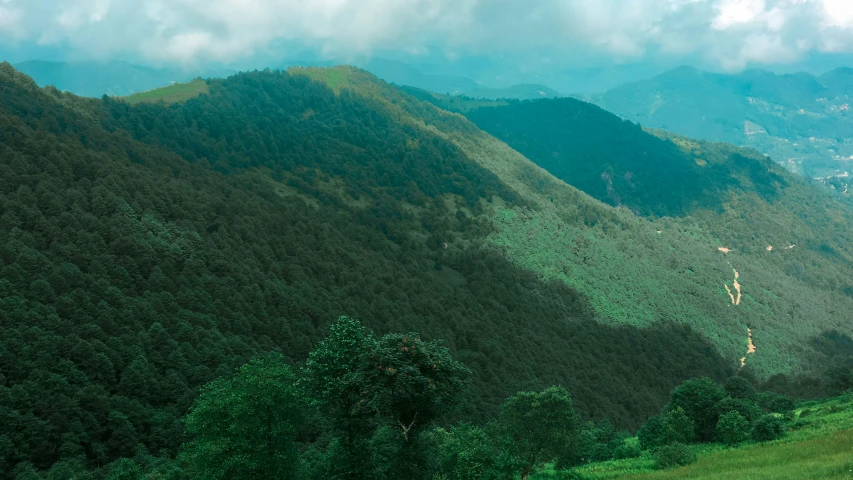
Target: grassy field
{"type": "Point", "coordinates": [818, 445]}
{"type": "Point", "coordinates": [177, 93]}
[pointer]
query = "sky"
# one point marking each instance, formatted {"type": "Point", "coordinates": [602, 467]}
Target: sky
{"type": "Point", "coordinates": [726, 35]}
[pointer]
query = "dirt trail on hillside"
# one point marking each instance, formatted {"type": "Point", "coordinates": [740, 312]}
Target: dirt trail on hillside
{"type": "Point", "coordinates": [736, 284]}
{"type": "Point", "coordinates": [750, 349]}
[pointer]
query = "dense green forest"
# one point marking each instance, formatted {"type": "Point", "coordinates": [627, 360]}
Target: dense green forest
{"type": "Point", "coordinates": [787, 241]}
{"type": "Point", "coordinates": [150, 249]}
{"type": "Point", "coordinates": [147, 250]}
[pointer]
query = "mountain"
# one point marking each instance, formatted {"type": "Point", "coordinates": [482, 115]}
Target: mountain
{"type": "Point", "coordinates": [745, 213]}
{"type": "Point", "coordinates": [149, 247]}
{"type": "Point", "coordinates": [93, 79]}
{"type": "Point", "coordinates": [798, 119]}
{"type": "Point", "coordinates": [404, 74]}
{"type": "Point", "coordinates": [517, 92]}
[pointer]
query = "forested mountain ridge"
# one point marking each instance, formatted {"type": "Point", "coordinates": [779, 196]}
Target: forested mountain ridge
{"type": "Point", "coordinates": [149, 249]}
{"type": "Point", "coordinates": [799, 119]}
{"type": "Point", "coordinates": [739, 212]}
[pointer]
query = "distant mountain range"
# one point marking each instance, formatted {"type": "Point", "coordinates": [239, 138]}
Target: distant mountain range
{"type": "Point", "coordinates": [93, 79]}
{"type": "Point", "coordinates": [800, 120]}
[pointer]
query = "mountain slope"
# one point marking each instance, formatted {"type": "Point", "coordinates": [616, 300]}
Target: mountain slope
{"type": "Point", "coordinates": [146, 249]}
{"type": "Point", "coordinates": [672, 267]}
{"type": "Point", "coordinates": [797, 119]}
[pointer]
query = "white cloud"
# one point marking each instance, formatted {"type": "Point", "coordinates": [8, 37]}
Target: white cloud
{"type": "Point", "coordinates": [10, 20]}
{"type": "Point", "coordinates": [730, 33]}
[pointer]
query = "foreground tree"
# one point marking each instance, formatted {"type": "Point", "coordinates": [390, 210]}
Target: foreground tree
{"type": "Point", "coordinates": [243, 427]}
{"type": "Point", "coordinates": [698, 398]}
{"type": "Point", "coordinates": [732, 428]}
{"type": "Point", "coordinates": [414, 382]}
{"type": "Point", "coordinates": [539, 427]}
{"type": "Point", "coordinates": [336, 378]}
{"type": "Point", "coordinates": [399, 381]}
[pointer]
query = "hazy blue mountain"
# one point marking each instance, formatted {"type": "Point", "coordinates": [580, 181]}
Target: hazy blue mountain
{"type": "Point", "coordinates": [401, 73]}
{"type": "Point", "coordinates": [524, 91]}
{"type": "Point", "coordinates": [798, 119]}
{"type": "Point", "coordinates": [93, 79]}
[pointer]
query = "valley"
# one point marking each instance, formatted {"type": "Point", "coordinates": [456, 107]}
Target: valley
{"type": "Point", "coordinates": [154, 246]}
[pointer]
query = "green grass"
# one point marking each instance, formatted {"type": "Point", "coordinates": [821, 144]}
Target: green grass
{"type": "Point", "coordinates": [177, 93]}
{"type": "Point", "coordinates": [335, 77]}
{"type": "Point", "coordinates": [818, 445]}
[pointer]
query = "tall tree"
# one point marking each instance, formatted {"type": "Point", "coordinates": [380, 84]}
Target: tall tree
{"type": "Point", "coordinates": [539, 427]}
{"type": "Point", "coordinates": [335, 376]}
{"type": "Point", "coordinates": [243, 427]}
{"type": "Point", "coordinates": [414, 381]}
{"type": "Point", "coordinates": [698, 398]}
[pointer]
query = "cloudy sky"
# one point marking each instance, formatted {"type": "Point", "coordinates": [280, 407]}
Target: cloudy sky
{"type": "Point", "coordinates": [728, 34]}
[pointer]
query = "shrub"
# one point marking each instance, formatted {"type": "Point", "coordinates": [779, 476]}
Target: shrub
{"type": "Point", "coordinates": [673, 455]}
{"type": "Point", "coordinates": [677, 427]}
{"type": "Point", "coordinates": [600, 452]}
{"type": "Point", "coordinates": [650, 433]}
{"type": "Point", "coordinates": [739, 387]}
{"type": "Point", "coordinates": [732, 428]}
{"type": "Point", "coordinates": [699, 398]}
{"type": "Point", "coordinates": [805, 413]}
{"type": "Point", "coordinates": [769, 427]}
{"type": "Point", "coordinates": [782, 404]}
{"type": "Point", "coordinates": [626, 450]}
{"type": "Point", "coordinates": [748, 409]}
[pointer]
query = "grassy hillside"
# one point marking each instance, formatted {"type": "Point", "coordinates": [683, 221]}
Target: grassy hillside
{"type": "Point", "coordinates": [177, 93]}
{"type": "Point", "coordinates": [817, 446]}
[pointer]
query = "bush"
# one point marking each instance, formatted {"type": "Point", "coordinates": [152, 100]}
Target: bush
{"type": "Point", "coordinates": [739, 387]}
{"type": "Point", "coordinates": [805, 413]}
{"type": "Point", "coordinates": [699, 398]}
{"type": "Point", "coordinates": [650, 433]}
{"type": "Point", "coordinates": [748, 409]}
{"type": "Point", "coordinates": [732, 428]}
{"type": "Point", "coordinates": [775, 403]}
{"type": "Point", "coordinates": [769, 427]}
{"type": "Point", "coordinates": [673, 455]}
{"type": "Point", "coordinates": [677, 427]}
{"type": "Point", "coordinates": [627, 450]}
{"type": "Point", "coordinates": [782, 404]}
{"type": "Point", "coordinates": [600, 452]}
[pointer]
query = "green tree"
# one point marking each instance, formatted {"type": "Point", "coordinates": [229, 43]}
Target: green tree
{"type": "Point", "coordinates": [677, 427]}
{"type": "Point", "coordinates": [414, 381]}
{"type": "Point", "coordinates": [739, 387]}
{"type": "Point", "coordinates": [748, 409]}
{"type": "Point", "coordinates": [243, 427]}
{"type": "Point", "coordinates": [124, 469]}
{"type": "Point", "coordinates": [650, 433]}
{"type": "Point", "coordinates": [336, 378]}
{"type": "Point", "coordinates": [673, 455]}
{"type": "Point", "coordinates": [732, 428]}
{"type": "Point", "coordinates": [768, 427]}
{"type": "Point", "coordinates": [698, 398]}
{"type": "Point", "coordinates": [466, 452]}
{"type": "Point", "coordinates": [539, 427]}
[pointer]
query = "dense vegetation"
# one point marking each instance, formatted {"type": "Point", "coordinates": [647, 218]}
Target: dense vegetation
{"type": "Point", "coordinates": [637, 271]}
{"type": "Point", "coordinates": [815, 445]}
{"type": "Point", "coordinates": [147, 250]}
